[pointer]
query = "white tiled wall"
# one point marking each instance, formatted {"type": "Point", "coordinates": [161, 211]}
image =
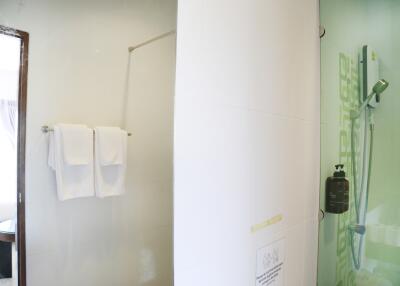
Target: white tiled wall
{"type": "Point", "coordinates": [77, 72]}
{"type": "Point", "coordinates": [246, 139]}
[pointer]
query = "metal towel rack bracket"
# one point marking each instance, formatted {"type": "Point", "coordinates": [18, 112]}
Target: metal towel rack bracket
{"type": "Point", "coordinates": [47, 129]}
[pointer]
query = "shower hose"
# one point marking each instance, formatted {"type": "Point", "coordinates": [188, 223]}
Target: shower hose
{"type": "Point", "coordinates": [356, 250]}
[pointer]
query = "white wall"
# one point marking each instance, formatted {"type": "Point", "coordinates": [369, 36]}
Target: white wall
{"type": "Point", "coordinates": [77, 69]}
{"type": "Point", "coordinates": [246, 139]}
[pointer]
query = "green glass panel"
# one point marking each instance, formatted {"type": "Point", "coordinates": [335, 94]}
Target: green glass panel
{"type": "Point", "coordinates": [350, 25]}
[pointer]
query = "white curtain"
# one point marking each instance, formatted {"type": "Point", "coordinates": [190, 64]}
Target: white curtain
{"type": "Point", "coordinates": [8, 155]}
{"type": "Point", "coordinates": [8, 114]}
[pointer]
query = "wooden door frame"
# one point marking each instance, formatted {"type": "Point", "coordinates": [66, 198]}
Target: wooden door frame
{"type": "Point", "coordinates": [22, 102]}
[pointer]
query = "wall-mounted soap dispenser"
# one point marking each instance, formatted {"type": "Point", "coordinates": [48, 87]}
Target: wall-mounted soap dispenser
{"type": "Point", "coordinates": [337, 192]}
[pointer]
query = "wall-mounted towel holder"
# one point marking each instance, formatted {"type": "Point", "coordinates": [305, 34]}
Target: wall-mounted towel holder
{"type": "Point", "coordinates": [47, 129]}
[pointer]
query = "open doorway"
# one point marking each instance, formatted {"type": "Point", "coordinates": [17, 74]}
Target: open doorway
{"type": "Point", "coordinates": [13, 83]}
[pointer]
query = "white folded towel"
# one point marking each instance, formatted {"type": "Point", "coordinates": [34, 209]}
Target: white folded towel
{"type": "Point", "coordinates": [71, 157]}
{"type": "Point", "coordinates": [110, 161]}
{"type": "Point", "coordinates": [78, 144]}
{"type": "Point", "coordinates": [110, 145]}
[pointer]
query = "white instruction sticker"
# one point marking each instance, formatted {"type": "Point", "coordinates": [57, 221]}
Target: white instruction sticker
{"type": "Point", "coordinates": [270, 261]}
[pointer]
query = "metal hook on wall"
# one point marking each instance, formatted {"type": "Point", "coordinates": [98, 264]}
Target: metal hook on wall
{"type": "Point", "coordinates": [322, 31]}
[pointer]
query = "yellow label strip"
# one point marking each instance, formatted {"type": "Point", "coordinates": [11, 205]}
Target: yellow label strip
{"type": "Point", "coordinates": [268, 222]}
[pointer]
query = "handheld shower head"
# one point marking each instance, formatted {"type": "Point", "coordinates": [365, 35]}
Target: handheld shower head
{"type": "Point", "coordinates": [377, 90]}
{"type": "Point", "coordinates": [380, 86]}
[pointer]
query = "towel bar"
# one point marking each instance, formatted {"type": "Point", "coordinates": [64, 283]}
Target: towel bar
{"type": "Point", "coordinates": [47, 129]}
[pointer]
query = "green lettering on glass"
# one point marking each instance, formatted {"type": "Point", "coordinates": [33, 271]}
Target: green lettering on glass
{"type": "Point", "coordinates": [349, 97]}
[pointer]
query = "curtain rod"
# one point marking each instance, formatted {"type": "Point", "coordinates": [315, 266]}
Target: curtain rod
{"type": "Point", "coordinates": [132, 48]}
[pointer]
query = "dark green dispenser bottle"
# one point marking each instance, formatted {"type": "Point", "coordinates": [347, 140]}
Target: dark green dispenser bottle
{"type": "Point", "coordinates": [337, 192]}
